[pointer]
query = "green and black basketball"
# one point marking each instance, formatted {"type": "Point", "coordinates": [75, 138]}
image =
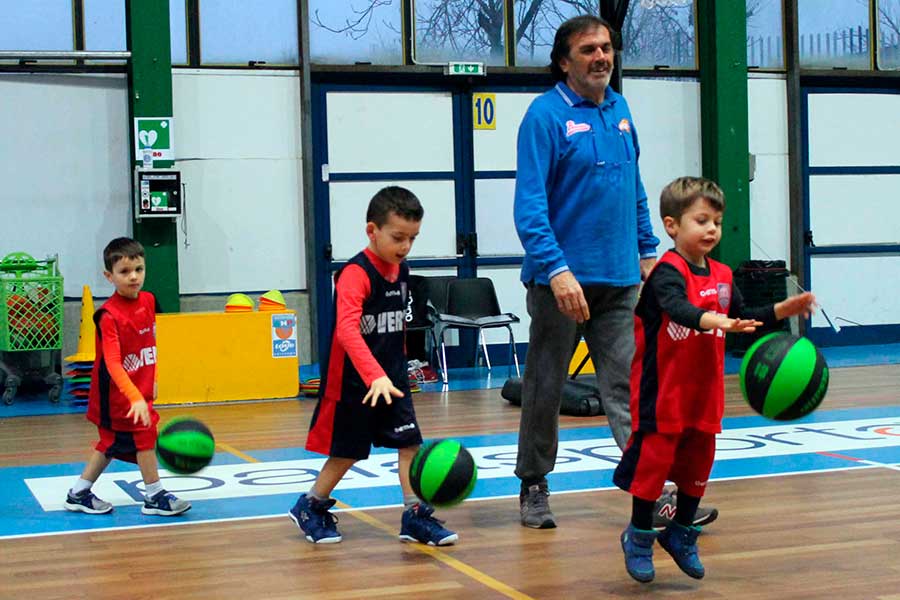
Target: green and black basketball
{"type": "Point", "coordinates": [783, 377]}
{"type": "Point", "coordinates": [185, 445]}
{"type": "Point", "coordinates": [443, 473]}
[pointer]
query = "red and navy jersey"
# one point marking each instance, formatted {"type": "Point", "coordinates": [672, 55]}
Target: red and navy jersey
{"type": "Point", "coordinates": [677, 375]}
{"type": "Point", "coordinates": [382, 328]}
{"type": "Point", "coordinates": [135, 321]}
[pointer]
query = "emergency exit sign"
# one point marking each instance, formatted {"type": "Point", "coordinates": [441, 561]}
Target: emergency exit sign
{"type": "Point", "coordinates": [465, 68]}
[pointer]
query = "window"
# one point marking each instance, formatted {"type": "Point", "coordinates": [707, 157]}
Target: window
{"type": "Point", "coordinates": [355, 31]}
{"type": "Point", "coordinates": [104, 25]}
{"type": "Point", "coordinates": [765, 42]}
{"type": "Point", "coordinates": [240, 31]}
{"type": "Point", "coordinates": [459, 30]}
{"type": "Point", "coordinates": [37, 25]}
{"type": "Point", "coordinates": [535, 30]}
{"type": "Point", "coordinates": [659, 33]}
{"type": "Point", "coordinates": [888, 19]}
{"type": "Point", "coordinates": [834, 33]}
{"type": "Point", "coordinates": [178, 31]}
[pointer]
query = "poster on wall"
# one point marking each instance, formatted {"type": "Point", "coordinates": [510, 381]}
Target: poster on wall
{"type": "Point", "coordinates": [284, 336]}
{"type": "Point", "coordinates": [155, 134]}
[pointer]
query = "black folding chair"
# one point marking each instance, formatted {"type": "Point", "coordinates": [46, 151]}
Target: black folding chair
{"type": "Point", "coordinates": [472, 304]}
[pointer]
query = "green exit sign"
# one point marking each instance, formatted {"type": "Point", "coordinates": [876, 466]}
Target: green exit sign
{"type": "Point", "coordinates": [465, 68]}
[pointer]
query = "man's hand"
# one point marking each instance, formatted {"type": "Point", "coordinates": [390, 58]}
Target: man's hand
{"type": "Point", "coordinates": [647, 266]}
{"type": "Point", "coordinates": [382, 388]}
{"type": "Point", "coordinates": [141, 413]}
{"type": "Point", "coordinates": [570, 297]}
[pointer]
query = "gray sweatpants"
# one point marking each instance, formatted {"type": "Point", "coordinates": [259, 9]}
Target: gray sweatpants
{"type": "Point", "coordinates": [609, 334]}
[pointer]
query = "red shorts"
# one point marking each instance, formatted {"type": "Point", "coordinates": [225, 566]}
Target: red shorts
{"type": "Point", "coordinates": [125, 445]}
{"type": "Point", "coordinates": [650, 459]}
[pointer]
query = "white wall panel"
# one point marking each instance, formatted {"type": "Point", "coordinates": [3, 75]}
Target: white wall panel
{"type": "Point", "coordinates": [770, 227]}
{"type": "Point", "coordinates": [494, 217]}
{"type": "Point", "coordinates": [238, 146]}
{"type": "Point", "coordinates": [64, 163]}
{"type": "Point", "coordinates": [236, 114]}
{"type": "Point", "coordinates": [855, 209]}
{"type": "Point", "coordinates": [669, 135]}
{"type": "Point", "coordinates": [389, 132]}
{"type": "Point", "coordinates": [349, 201]}
{"type": "Point", "coordinates": [495, 149]}
{"type": "Point", "coordinates": [244, 227]}
{"type": "Point", "coordinates": [854, 129]}
{"type": "Point", "coordinates": [767, 114]}
{"type": "Point", "coordinates": [856, 288]}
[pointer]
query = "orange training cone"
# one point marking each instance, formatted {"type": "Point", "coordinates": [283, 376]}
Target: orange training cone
{"type": "Point", "coordinates": [87, 333]}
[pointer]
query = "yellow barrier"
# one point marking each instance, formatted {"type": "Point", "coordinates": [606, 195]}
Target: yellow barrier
{"type": "Point", "coordinates": [213, 357]}
{"type": "Point", "coordinates": [580, 352]}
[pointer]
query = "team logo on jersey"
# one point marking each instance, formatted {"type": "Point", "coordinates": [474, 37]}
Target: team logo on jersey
{"type": "Point", "coordinates": [724, 290]}
{"type": "Point", "coordinates": [624, 126]}
{"type": "Point", "coordinates": [678, 332]}
{"type": "Point", "coordinates": [133, 362]}
{"type": "Point", "coordinates": [572, 128]}
{"type": "Point", "coordinates": [367, 324]}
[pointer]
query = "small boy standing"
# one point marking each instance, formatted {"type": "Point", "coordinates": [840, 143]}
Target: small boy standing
{"type": "Point", "coordinates": [364, 396]}
{"type": "Point", "coordinates": [677, 375]}
{"type": "Point", "coordinates": [123, 386]}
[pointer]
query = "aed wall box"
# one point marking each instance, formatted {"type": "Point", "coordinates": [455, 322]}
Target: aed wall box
{"type": "Point", "coordinates": [157, 193]}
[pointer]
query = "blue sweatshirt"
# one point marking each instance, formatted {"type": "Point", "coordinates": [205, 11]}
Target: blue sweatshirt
{"type": "Point", "coordinates": [580, 204]}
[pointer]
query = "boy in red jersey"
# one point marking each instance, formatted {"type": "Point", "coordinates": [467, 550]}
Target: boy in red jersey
{"type": "Point", "coordinates": [123, 386]}
{"type": "Point", "coordinates": [677, 376]}
{"type": "Point", "coordinates": [364, 397]}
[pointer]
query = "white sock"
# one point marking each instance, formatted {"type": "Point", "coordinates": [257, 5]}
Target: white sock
{"type": "Point", "coordinates": [152, 489]}
{"type": "Point", "coordinates": [80, 486]}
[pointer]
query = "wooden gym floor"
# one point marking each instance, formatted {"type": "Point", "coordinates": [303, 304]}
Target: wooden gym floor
{"type": "Point", "coordinates": [829, 532]}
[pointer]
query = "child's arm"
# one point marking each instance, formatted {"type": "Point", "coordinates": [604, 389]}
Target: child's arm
{"type": "Point", "coordinates": [112, 356]}
{"type": "Point", "coordinates": [352, 290]}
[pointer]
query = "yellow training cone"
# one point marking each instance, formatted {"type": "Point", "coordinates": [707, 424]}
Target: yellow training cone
{"type": "Point", "coordinates": [238, 303]}
{"type": "Point", "coordinates": [273, 300]}
{"type": "Point", "coordinates": [88, 332]}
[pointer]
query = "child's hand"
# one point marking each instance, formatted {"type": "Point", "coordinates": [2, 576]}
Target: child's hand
{"type": "Point", "coordinates": [801, 304]}
{"type": "Point", "coordinates": [141, 413]}
{"type": "Point", "coordinates": [382, 388]}
{"type": "Point", "coordinates": [739, 325]}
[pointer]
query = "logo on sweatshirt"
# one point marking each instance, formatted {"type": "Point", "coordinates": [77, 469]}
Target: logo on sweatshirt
{"type": "Point", "coordinates": [624, 126]}
{"type": "Point", "coordinates": [724, 295]}
{"type": "Point", "coordinates": [133, 362]}
{"type": "Point", "coordinates": [572, 128]}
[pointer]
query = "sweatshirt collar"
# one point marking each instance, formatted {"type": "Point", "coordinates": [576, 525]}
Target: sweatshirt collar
{"type": "Point", "coordinates": [573, 99]}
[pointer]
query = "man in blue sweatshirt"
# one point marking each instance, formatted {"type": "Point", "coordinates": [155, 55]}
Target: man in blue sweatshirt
{"type": "Point", "coordinates": [581, 215]}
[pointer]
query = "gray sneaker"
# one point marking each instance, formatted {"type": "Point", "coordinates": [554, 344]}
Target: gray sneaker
{"type": "Point", "coordinates": [534, 507]}
{"type": "Point", "coordinates": [664, 512]}
{"type": "Point", "coordinates": [87, 502]}
{"type": "Point", "coordinates": [165, 504]}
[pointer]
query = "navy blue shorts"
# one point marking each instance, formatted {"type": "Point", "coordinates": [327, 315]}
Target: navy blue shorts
{"type": "Point", "coordinates": [348, 429]}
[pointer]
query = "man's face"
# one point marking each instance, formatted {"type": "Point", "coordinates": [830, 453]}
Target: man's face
{"type": "Point", "coordinates": [589, 65]}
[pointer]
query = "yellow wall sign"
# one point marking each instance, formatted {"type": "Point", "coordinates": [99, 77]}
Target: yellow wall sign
{"type": "Point", "coordinates": [484, 111]}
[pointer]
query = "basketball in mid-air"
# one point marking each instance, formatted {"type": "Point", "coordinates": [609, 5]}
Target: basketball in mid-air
{"type": "Point", "coordinates": [443, 473]}
{"type": "Point", "coordinates": [783, 376]}
{"type": "Point", "coordinates": [185, 445]}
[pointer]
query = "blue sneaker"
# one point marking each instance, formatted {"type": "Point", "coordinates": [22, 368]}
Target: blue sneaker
{"type": "Point", "coordinates": [165, 504]}
{"type": "Point", "coordinates": [87, 502]}
{"type": "Point", "coordinates": [681, 543]}
{"type": "Point", "coordinates": [417, 525]}
{"type": "Point", "coordinates": [637, 544]}
{"type": "Point", "coordinates": [314, 520]}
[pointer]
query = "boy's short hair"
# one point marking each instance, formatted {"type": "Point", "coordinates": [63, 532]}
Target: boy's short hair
{"type": "Point", "coordinates": [679, 195]}
{"type": "Point", "coordinates": [119, 248]}
{"type": "Point", "coordinates": [397, 200]}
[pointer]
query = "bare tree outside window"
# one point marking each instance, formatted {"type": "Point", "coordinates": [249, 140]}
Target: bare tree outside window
{"type": "Point", "coordinates": [355, 31]}
{"type": "Point", "coordinates": [460, 30]}
{"type": "Point", "coordinates": [888, 34]}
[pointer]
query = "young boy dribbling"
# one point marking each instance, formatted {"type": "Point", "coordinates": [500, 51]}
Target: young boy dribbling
{"type": "Point", "coordinates": [364, 398]}
{"type": "Point", "coordinates": [123, 386]}
{"type": "Point", "coordinates": [677, 375]}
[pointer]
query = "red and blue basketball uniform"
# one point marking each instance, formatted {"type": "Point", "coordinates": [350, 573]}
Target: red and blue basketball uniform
{"type": "Point", "coordinates": [677, 378]}
{"type": "Point", "coordinates": [342, 426]}
{"type": "Point", "coordinates": [133, 322]}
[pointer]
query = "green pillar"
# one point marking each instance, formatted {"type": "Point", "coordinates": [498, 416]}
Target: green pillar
{"type": "Point", "coordinates": [150, 95]}
{"type": "Point", "coordinates": [722, 33]}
